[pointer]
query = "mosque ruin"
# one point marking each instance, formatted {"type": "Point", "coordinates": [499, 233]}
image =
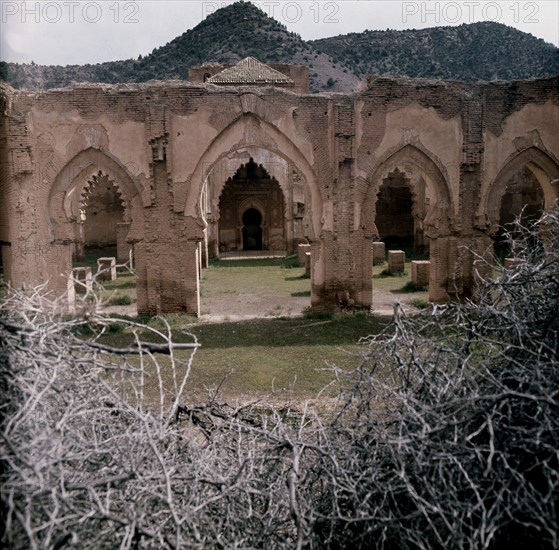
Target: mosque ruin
{"type": "Point", "coordinates": [243, 158]}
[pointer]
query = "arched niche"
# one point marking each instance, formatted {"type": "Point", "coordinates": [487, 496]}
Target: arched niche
{"type": "Point", "coordinates": [425, 180]}
{"type": "Point", "coordinates": [66, 193]}
{"type": "Point", "coordinates": [251, 186]}
{"type": "Point", "coordinates": [545, 170]}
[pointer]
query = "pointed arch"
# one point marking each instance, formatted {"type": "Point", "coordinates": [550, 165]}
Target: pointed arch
{"type": "Point", "coordinates": [69, 184]}
{"type": "Point", "coordinates": [257, 134]}
{"type": "Point", "coordinates": [544, 167]}
{"type": "Point", "coordinates": [416, 165]}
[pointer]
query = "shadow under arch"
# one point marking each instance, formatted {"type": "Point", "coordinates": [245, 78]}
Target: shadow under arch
{"type": "Point", "coordinates": [252, 221]}
{"type": "Point", "coordinates": [415, 164]}
{"type": "Point", "coordinates": [544, 167]}
{"type": "Point", "coordinates": [262, 135]}
{"type": "Point", "coordinates": [71, 180]}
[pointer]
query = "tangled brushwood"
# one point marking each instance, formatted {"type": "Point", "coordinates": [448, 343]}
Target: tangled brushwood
{"type": "Point", "coordinates": [448, 436]}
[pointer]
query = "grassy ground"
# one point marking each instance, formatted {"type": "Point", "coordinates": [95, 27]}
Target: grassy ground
{"type": "Point", "coordinates": [121, 291]}
{"type": "Point", "coordinates": [265, 288]}
{"type": "Point", "coordinates": [250, 359]}
{"type": "Point", "coordinates": [289, 352]}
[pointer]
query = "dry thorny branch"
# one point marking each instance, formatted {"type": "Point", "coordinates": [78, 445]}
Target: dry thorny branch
{"type": "Point", "coordinates": [447, 438]}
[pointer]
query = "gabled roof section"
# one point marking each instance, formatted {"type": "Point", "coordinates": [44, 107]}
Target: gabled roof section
{"type": "Point", "coordinates": [250, 71]}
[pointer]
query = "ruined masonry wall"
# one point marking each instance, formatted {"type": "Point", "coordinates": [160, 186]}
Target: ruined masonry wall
{"type": "Point", "coordinates": [159, 142]}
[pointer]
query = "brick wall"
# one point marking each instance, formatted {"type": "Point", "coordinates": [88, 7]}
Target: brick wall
{"type": "Point", "coordinates": [158, 142]}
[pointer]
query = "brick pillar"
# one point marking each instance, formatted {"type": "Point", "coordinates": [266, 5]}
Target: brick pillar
{"type": "Point", "coordinates": [307, 264]}
{"type": "Point", "coordinates": [420, 272]}
{"type": "Point", "coordinates": [379, 253]}
{"type": "Point", "coordinates": [168, 277]}
{"type": "Point", "coordinates": [168, 259]}
{"type": "Point", "coordinates": [364, 288]}
{"type": "Point", "coordinates": [56, 260]}
{"type": "Point", "coordinates": [141, 279]}
{"type": "Point", "coordinates": [439, 269]}
{"type": "Point", "coordinates": [456, 266]}
{"type": "Point", "coordinates": [337, 279]}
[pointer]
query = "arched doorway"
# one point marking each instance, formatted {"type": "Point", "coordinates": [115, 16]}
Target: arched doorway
{"type": "Point", "coordinates": [252, 229]}
{"type": "Point", "coordinates": [270, 148]}
{"type": "Point", "coordinates": [400, 212]}
{"type": "Point", "coordinates": [524, 201]}
{"type": "Point", "coordinates": [90, 172]}
{"type": "Point", "coordinates": [524, 188]}
{"type": "Point", "coordinates": [252, 212]}
{"type": "Point", "coordinates": [408, 199]}
{"type": "Point", "coordinates": [101, 212]}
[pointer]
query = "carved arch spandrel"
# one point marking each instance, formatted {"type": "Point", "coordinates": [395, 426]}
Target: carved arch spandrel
{"type": "Point", "coordinates": [259, 134]}
{"type": "Point", "coordinates": [70, 182]}
{"type": "Point", "coordinates": [544, 167]}
{"type": "Point", "coordinates": [415, 165]}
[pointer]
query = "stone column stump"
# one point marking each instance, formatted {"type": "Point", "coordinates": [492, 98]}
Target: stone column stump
{"type": "Point", "coordinates": [420, 272]}
{"type": "Point", "coordinates": [302, 249]}
{"type": "Point", "coordinates": [379, 253]}
{"type": "Point", "coordinates": [106, 268]}
{"type": "Point", "coordinates": [396, 261]}
{"type": "Point", "coordinates": [307, 264]}
{"type": "Point", "coordinates": [82, 279]}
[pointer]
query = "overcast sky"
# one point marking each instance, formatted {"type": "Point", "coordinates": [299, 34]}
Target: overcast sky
{"type": "Point", "coordinates": [61, 32]}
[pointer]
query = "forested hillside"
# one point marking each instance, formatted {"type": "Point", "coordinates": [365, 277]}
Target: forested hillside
{"type": "Point", "coordinates": [478, 51]}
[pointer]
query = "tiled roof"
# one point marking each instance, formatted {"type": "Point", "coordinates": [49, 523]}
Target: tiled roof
{"type": "Point", "coordinates": [250, 71]}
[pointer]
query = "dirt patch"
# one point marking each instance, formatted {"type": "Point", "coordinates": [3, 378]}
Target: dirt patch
{"type": "Point", "coordinates": [240, 291]}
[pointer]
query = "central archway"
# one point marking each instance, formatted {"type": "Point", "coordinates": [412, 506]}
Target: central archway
{"type": "Point", "coordinates": [251, 232]}
{"type": "Point", "coordinates": [249, 136]}
{"type": "Point", "coordinates": [252, 213]}
{"type": "Point", "coordinates": [253, 136]}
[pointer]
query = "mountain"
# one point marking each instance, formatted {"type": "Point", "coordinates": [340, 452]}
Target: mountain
{"type": "Point", "coordinates": [478, 51]}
